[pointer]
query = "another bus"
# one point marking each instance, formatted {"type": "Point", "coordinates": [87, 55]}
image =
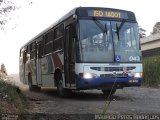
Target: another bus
{"type": "Point", "coordinates": [88, 48]}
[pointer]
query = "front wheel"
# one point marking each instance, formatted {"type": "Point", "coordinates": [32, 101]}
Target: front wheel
{"type": "Point", "coordinates": [62, 92]}
{"type": "Point", "coordinates": [109, 91]}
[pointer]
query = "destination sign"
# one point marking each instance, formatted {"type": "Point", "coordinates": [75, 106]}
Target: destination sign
{"type": "Point", "coordinates": [108, 13]}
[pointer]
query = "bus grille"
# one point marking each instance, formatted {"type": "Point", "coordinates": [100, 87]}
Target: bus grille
{"type": "Point", "coordinates": [112, 68]}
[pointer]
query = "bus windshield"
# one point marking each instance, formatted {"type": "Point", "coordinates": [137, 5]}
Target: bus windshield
{"type": "Point", "coordinates": [102, 41]}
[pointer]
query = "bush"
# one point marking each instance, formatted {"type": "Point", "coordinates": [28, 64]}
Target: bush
{"type": "Point", "coordinates": [151, 68]}
{"type": "Point", "coordinates": [12, 100]}
{"type": "Point", "coordinates": [8, 92]}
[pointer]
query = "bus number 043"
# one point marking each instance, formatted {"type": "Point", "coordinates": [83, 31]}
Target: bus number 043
{"type": "Point", "coordinates": [134, 58]}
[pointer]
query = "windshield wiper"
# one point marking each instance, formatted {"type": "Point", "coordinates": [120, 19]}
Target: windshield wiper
{"type": "Point", "coordinates": [106, 28]}
{"type": "Point", "coordinates": [122, 23]}
{"type": "Point", "coordinates": [117, 30]}
{"type": "Point", "coordinates": [100, 25]}
{"type": "Point", "coordinates": [120, 26]}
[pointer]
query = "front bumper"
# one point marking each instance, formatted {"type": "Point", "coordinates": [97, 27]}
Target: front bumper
{"type": "Point", "coordinates": [105, 83]}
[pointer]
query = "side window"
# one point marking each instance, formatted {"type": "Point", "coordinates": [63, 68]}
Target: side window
{"type": "Point", "coordinates": [24, 54]}
{"type": "Point", "coordinates": [58, 39]}
{"type": "Point", "coordinates": [49, 42]}
{"type": "Point", "coordinates": [131, 38]}
{"type": "Point", "coordinates": [58, 32]}
{"type": "Point", "coordinates": [49, 36]}
{"type": "Point", "coordinates": [33, 50]}
{"type": "Point", "coordinates": [33, 47]}
{"type": "Point", "coordinates": [58, 44]}
{"type": "Point", "coordinates": [29, 49]}
{"type": "Point", "coordinates": [40, 46]}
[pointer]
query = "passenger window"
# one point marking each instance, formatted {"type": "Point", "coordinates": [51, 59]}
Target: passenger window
{"type": "Point", "coordinates": [58, 31]}
{"type": "Point", "coordinates": [49, 42]}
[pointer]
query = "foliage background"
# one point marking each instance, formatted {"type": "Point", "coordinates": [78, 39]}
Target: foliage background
{"type": "Point", "coordinates": [151, 68]}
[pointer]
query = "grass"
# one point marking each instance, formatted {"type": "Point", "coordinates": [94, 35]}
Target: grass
{"type": "Point", "coordinates": [8, 91]}
{"type": "Point", "coordinates": [151, 68]}
{"type": "Point", "coordinates": [12, 100]}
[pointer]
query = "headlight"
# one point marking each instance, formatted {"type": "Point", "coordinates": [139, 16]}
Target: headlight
{"type": "Point", "coordinates": [138, 75]}
{"type": "Point", "coordinates": [88, 75]}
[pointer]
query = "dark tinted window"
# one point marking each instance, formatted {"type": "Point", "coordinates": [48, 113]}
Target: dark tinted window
{"type": "Point", "coordinates": [49, 42]}
{"type": "Point", "coordinates": [58, 44]}
{"type": "Point", "coordinates": [40, 46]}
{"type": "Point", "coordinates": [58, 31]}
{"type": "Point", "coordinates": [49, 36]}
{"type": "Point", "coordinates": [48, 47]}
{"type": "Point", "coordinates": [33, 50]}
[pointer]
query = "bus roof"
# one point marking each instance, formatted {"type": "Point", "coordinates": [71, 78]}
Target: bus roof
{"type": "Point", "coordinates": [89, 12]}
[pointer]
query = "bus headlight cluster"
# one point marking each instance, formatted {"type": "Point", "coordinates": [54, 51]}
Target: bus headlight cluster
{"type": "Point", "coordinates": [138, 75]}
{"type": "Point", "coordinates": [88, 75]}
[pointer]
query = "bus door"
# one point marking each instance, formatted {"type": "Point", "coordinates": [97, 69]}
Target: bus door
{"type": "Point", "coordinates": [69, 60]}
{"type": "Point", "coordinates": [38, 63]}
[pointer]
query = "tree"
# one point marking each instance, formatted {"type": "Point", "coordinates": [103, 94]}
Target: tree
{"type": "Point", "coordinates": [6, 7]}
{"type": "Point", "coordinates": [142, 32]}
{"type": "Point", "coordinates": [3, 69]}
{"type": "Point", "coordinates": [3, 72]}
{"type": "Point", "coordinates": [156, 28]}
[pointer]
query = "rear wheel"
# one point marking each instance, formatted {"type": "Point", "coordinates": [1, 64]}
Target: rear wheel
{"type": "Point", "coordinates": [31, 86]}
{"type": "Point", "coordinates": [109, 91]}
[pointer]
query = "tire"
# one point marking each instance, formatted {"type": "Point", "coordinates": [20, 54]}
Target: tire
{"type": "Point", "coordinates": [62, 92]}
{"type": "Point", "coordinates": [31, 86]}
{"type": "Point", "coordinates": [108, 91]}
